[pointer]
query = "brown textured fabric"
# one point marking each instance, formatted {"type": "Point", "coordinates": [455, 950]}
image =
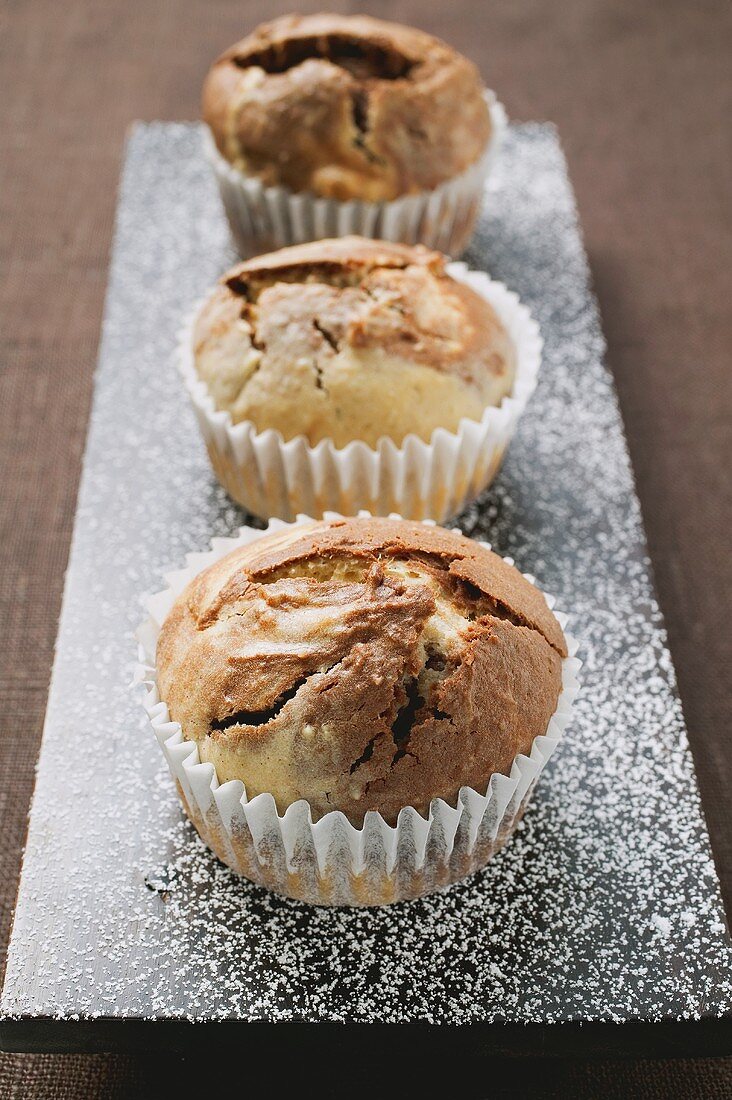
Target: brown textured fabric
{"type": "Point", "coordinates": [642, 98]}
{"type": "Point", "coordinates": [159, 1075]}
{"type": "Point", "coordinates": [349, 108]}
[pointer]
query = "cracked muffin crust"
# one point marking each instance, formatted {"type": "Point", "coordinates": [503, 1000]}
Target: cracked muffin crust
{"type": "Point", "coordinates": [346, 107]}
{"type": "Point", "coordinates": [351, 339]}
{"type": "Point", "coordinates": [361, 664]}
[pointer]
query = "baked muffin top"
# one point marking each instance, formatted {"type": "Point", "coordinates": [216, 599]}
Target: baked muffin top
{"type": "Point", "coordinates": [346, 107]}
{"type": "Point", "coordinates": [351, 339]}
{"type": "Point", "coordinates": [361, 664]}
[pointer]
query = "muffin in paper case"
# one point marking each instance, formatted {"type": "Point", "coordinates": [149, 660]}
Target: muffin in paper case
{"type": "Point", "coordinates": [274, 477]}
{"type": "Point", "coordinates": [330, 861]}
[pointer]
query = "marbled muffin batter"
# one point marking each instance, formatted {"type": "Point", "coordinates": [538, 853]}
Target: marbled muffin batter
{"type": "Point", "coordinates": [361, 664]}
{"type": "Point", "coordinates": [351, 339]}
{"type": "Point", "coordinates": [346, 107]}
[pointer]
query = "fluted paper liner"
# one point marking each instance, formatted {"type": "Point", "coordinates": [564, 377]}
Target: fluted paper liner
{"type": "Point", "coordinates": [271, 476]}
{"type": "Point", "coordinates": [330, 861]}
{"type": "Point", "coordinates": [264, 218]}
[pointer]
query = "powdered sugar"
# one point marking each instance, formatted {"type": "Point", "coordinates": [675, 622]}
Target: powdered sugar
{"type": "Point", "coordinates": [604, 905]}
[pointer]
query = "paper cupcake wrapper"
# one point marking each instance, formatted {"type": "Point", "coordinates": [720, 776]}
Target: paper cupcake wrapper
{"type": "Point", "coordinates": [271, 476]}
{"type": "Point", "coordinates": [330, 861]}
{"type": "Point", "coordinates": [265, 218]}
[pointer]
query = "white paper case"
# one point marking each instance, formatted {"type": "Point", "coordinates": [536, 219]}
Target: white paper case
{"type": "Point", "coordinates": [330, 862]}
{"type": "Point", "coordinates": [265, 218]}
{"type": "Point", "coordinates": [271, 476]}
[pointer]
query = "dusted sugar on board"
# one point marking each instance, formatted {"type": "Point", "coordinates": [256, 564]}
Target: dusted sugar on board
{"type": "Point", "coordinates": [603, 906]}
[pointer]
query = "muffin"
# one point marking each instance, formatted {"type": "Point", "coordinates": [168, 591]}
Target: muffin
{"type": "Point", "coordinates": [340, 341]}
{"type": "Point", "coordinates": [346, 107]}
{"type": "Point", "coordinates": [341, 110]}
{"type": "Point", "coordinates": [351, 339]}
{"type": "Point", "coordinates": [361, 665]}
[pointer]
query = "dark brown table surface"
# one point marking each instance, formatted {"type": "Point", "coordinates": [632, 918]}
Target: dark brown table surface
{"type": "Point", "coordinates": [642, 96]}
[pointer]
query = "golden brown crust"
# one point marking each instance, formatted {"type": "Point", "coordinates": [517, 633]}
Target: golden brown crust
{"type": "Point", "coordinates": [351, 339]}
{"type": "Point", "coordinates": [341, 259]}
{"type": "Point", "coordinates": [346, 107]}
{"type": "Point", "coordinates": [463, 559]}
{"type": "Point", "coordinates": [361, 664]}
